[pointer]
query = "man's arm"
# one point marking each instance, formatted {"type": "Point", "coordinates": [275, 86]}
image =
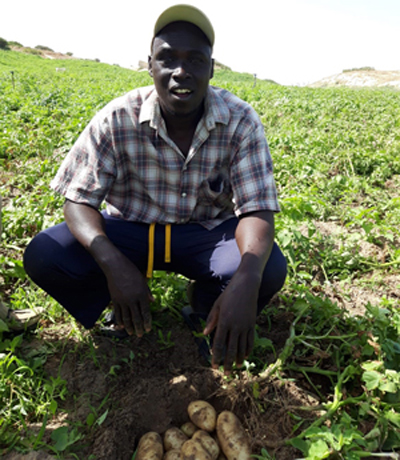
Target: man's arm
{"type": "Point", "coordinates": [234, 313]}
{"type": "Point", "coordinates": [127, 286]}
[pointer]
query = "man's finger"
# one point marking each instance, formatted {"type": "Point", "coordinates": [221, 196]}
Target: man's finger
{"type": "Point", "coordinates": [212, 321]}
{"type": "Point", "coordinates": [118, 314]}
{"type": "Point", "coordinates": [241, 350]}
{"type": "Point", "coordinates": [146, 315]}
{"type": "Point", "coordinates": [250, 342]}
{"type": "Point", "coordinates": [127, 321]}
{"type": "Point", "coordinates": [218, 347]}
{"type": "Point", "coordinates": [137, 321]}
{"type": "Point", "coordinates": [231, 352]}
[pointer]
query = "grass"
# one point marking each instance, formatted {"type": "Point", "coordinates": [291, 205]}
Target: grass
{"type": "Point", "coordinates": [337, 165]}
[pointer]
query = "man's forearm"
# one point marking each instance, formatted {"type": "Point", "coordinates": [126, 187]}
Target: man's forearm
{"type": "Point", "coordinates": [88, 227]}
{"type": "Point", "coordinates": [255, 237]}
{"type": "Point", "coordinates": [84, 222]}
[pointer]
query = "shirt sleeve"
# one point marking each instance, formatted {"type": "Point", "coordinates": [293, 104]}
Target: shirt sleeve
{"type": "Point", "coordinates": [252, 177]}
{"type": "Point", "coordinates": [88, 171]}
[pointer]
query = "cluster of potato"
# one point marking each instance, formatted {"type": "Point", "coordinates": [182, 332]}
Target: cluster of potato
{"type": "Point", "coordinates": [206, 437]}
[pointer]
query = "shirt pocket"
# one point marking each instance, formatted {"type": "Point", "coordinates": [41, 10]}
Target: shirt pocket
{"type": "Point", "coordinates": [215, 191]}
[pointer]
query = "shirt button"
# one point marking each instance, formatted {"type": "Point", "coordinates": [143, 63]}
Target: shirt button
{"type": "Point", "coordinates": [184, 195]}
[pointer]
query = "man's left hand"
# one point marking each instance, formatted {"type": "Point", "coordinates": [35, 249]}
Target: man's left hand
{"type": "Point", "coordinates": [234, 317]}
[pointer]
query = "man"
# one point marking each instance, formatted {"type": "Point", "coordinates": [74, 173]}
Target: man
{"type": "Point", "coordinates": [185, 171]}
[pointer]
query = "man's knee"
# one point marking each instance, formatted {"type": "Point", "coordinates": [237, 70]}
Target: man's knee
{"type": "Point", "coordinates": [279, 269]}
{"type": "Point", "coordinates": [274, 277]}
{"type": "Point", "coordinates": [35, 257]}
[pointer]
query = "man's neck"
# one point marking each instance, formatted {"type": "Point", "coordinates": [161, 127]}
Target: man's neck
{"type": "Point", "coordinates": [181, 129]}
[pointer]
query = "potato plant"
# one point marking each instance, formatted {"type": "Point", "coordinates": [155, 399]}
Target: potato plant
{"type": "Point", "coordinates": [337, 167]}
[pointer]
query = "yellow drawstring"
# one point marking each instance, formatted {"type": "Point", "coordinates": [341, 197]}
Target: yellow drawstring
{"type": "Point", "coordinates": [167, 257]}
{"type": "Point", "coordinates": [168, 243]}
{"type": "Point", "coordinates": [150, 260]}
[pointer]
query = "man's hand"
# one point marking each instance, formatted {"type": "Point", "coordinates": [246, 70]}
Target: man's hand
{"type": "Point", "coordinates": [234, 312]}
{"type": "Point", "coordinates": [234, 317]}
{"type": "Point", "coordinates": [127, 286]}
{"type": "Point", "coordinates": [130, 296]}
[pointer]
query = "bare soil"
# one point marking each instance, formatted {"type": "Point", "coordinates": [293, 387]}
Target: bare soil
{"type": "Point", "coordinates": [149, 388]}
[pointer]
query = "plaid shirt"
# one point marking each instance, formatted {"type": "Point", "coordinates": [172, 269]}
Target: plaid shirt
{"type": "Point", "coordinates": [125, 157]}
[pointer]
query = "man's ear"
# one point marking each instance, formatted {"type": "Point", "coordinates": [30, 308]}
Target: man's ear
{"type": "Point", "coordinates": [150, 66]}
{"type": "Point", "coordinates": [212, 68]}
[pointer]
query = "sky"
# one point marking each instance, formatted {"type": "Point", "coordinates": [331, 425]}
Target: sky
{"type": "Point", "coordinates": [293, 42]}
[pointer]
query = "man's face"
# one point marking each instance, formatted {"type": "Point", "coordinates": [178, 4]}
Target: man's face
{"type": "Point", "coordinates": [181, 67]}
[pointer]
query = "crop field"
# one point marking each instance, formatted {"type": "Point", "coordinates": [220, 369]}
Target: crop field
{"type": "Point", "coordinates": [323, 381]}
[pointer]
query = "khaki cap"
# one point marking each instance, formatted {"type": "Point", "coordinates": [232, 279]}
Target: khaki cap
{"type": "Point", "coordinates": [186, 13]}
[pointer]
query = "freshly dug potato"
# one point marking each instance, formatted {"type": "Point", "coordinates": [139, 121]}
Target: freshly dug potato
{"type": "Point", "coordinates": [232, 437]}
{"type": "Point", "coordinates": [209, 444]}
{"type": "Point", "coordinates": [193, 450]}
{"type": "Point", "coordinates": [173, 454]}
{"type": "Point", "coordinates": [174, 438]}
{"type": "Point", "coordinates": [203, 415]}
{"type": "Point", "coordinates": [189, 429]}
{"type": "Point", "coordinates": [150, 447]}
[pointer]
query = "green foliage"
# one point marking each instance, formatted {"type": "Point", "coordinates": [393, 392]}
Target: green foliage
{"type": "Point", "coordinates": [43, 48]}
{"type": "Point", "coordinates": [14, 43]}
{"type": "Point", "coordinates": [4, 45]}
{"type": "Point", "coordinates": [337, 167]}
{"type": "Point", "coordinates": [359, 68]}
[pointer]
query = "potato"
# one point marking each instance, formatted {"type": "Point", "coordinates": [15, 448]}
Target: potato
{"type": "Point", "coordinates": [203, 415]}
{"type": "Point", "coordinates": [174, 438]}
{"type": "Point", "coordinates": [193, 450]}
{"type": "Point", "coordinates": [150, 447]}
{"type": "Point", "coordinates": [209, 444]}
{"type": "Point", "coordinates": [189, 429]}
{"type": "Point", "coordinates": [232, 437]}
{"type": "Point", "coordinates": [173, 454]}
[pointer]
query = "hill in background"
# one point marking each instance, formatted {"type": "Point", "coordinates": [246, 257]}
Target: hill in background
{"type": "Point", "coordinates": [366, 76]}
{"type": "Point", "coordinates": [362, 77]}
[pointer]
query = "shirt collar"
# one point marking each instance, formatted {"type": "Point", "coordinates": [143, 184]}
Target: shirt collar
{"type": "Point", "coordinates": [216, 110]}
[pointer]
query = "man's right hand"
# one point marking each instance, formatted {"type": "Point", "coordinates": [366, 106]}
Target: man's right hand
{"type": "Point", "coordinates": [130, 296]}
{"type": "Point", "coordinates": [127, 285]}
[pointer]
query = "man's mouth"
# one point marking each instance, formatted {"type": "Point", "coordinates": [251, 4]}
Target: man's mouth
{"type": "Point", "coordinates": [181, 92]}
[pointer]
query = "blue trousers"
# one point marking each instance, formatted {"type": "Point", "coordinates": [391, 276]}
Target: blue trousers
{"type": "Point", "coordinates": [60, 265]}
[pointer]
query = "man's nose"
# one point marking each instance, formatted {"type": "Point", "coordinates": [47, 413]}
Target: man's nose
{"type": "Point", "coordinates": [180, 70]}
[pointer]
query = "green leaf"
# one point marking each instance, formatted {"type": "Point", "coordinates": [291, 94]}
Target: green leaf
{"type": "Point", "coordinates": [90, 419]}
{"type": "Point", "coordinates": [53, 406]}
{"type": "Point", "coordinates": [60, 436]}
{"type": "Point", "coordinates": [300, 444]}
{"type": "Point", "coordinates": [393, 417]}
{"type": "Point", "coordinates": [388, 387]}
{"type": "Point", "coordinates": [64, 439]}
{"type": "Point", "coordinates": [372, 365]}
{"type": "Point", "coordinates": [318, 450]}
{"type": "Point", "coordinates": [3, 326]}
{"type": "Point", "coordinates": [101, 419]}
{"type": "Point", "coordinates": [372, 379]}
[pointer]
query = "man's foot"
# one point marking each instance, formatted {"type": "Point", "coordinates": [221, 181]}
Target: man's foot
{"type": "Point", "coordinates": [193, 321]}
{"type": "Point", "coordinates": [110, 328]}
{"type": "Point", "coordinates": [196, 322]}
{"type": "Point", "coordinates": [20, 320]}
